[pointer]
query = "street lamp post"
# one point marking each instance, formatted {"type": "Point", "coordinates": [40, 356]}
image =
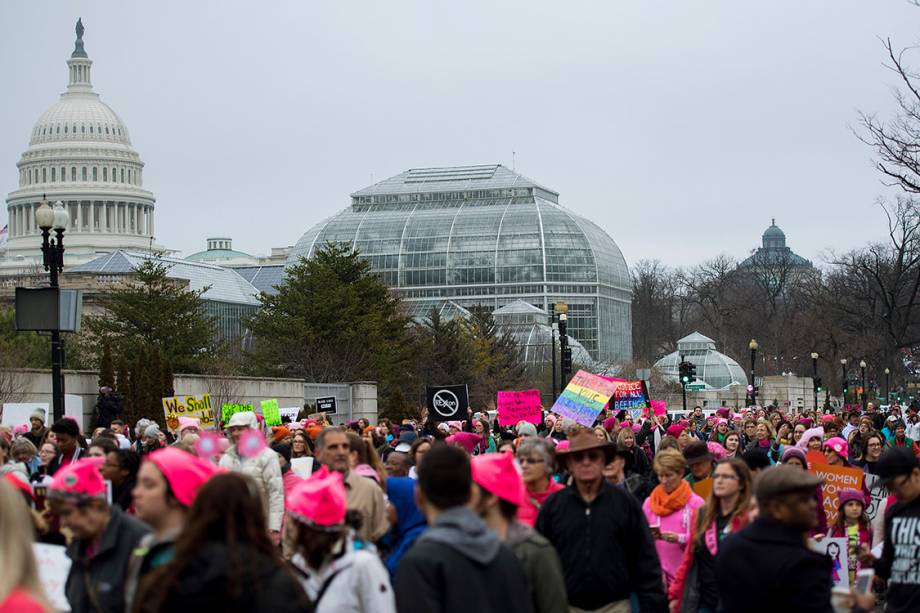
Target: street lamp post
{"type": "Point", "coordinates": [887, 385]}
{"type": "Point", "coordinates": [55, 219]}
{"type": "Point", "coordinates": [843, 380]}
{"type": "Point", "coordinates": [862, 367]}
{"type": "Point", "coordinates": [552, 346]}
{"type": "Point", "coordinates": [565, 352]}
{"type": "Point", "coordinates": [814, 376]}
{"type": "Point", "coordinates": [753, 347]}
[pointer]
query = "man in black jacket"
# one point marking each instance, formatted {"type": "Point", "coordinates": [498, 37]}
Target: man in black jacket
{"type": "Point", "coordinates": [601, 535]}
{"type": "Point", "coordinates": [457, 564]}
{"type": "Point", "coordinates": [103, 538]}
{"type": "Point", "coordinates": [767, 565]}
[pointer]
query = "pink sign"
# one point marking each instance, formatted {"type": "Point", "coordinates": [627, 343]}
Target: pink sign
{"type": "Point", "coordinates": [659, 407]}
{"type": "Point", "coordinates": [519, 406]}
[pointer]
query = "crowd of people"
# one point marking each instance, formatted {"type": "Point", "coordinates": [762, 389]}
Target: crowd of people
{"type": "Point", "coordinates": [665, 512]}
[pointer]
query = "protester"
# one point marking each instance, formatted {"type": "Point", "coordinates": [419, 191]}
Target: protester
{"type": "Point", "coordinates": [364, 496]}
{"type": "Point", "coordinates": [397, 464]}
{"type": "Point", "coordinates": [537, 458]}
{"type": "Point", "coordinates": [10, 465]}
{"type": "Point", "coordinates": [37, 431]}
{"type": "Point", "coordinates": [458, 565]}
{"type": "Point", "coordinates": [498, 494]}
{"type": "Point", "coordinates": [334, 573]}
{"type": "Point", "coordinates": [699, 462]}
{"type": "Point", "coordinates": [223, 559]}
{"type": "Point", "coordinates": [853, 524]}
{"type": "Point", "coordinates": [46, 455]}
{"type": "Point", "coordinates": [120, 468]}
{"type": "Point", "coordinates": [873, 446]}
{"type": "Point", "coordinates": [262, 468]}
{"type": "Point", "coordinates": [103, 537]}
{"type": "Point", "coordinates": [619, 473]}
{"type": "Point", "coordinates": [21, 590]}
{"type": "Point", "coordinates": [67, 437]}
{"type": "Point", "coordinates": [900, 472]}
{"type": "Point", "coordinates": [601, 535]}
{"type": "Point", "coordinates": [670, 508]}
{"type": "Point", "coordinates": [301, 446]}
{"type": "Point", "coordinates": [767, 566]}
{"type": "Point", "coordinates": [166, 487]}
{"type": "Point", "coordinates": [726, 511]}
{"type": "Point", "coordinates": [640, 463]}
{"type": "Point", "coordinates": [406, 521]}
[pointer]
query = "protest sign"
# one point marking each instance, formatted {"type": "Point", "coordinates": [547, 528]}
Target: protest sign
{"type": "Point", "coordinates": [659, 407]}
{"type": "Point", "coordinates": [198, 407]}
{"type": "Point", "coordinates": [584, 397]}
{"type": "Point", "coordinates": [629, 396]}
{"type": "Point", "coordinates": [448, 402]}
{"type": "Point", "coordinates": [17, 413]}
{"type": "Point", "coordinates": [289, 413]}
{"type": "Point", "coordinates": [270, 412]}
{"type": "Point", "coordinates": [878, 494]}
{"type": "Point", "coordinates": [703, 488]}
{"type": "Point", "coordinates": [836, 478]}
{"type": "Point", "coordinates": [302, 467]}
{"type": "Point", "coordinates": [53, 568]}
{"type": "Point", "coordinates": [228, 410]}
{"type": "Point", "coordinates": [519, 406]}
{"type": "Point", "coordinates": [326, 405]}
{"type": "Point", "coordinates": [836, 550]}
{"type": "Point", "coordinates": [814, 457]}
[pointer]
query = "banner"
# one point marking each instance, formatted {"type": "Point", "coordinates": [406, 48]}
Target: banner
{"type": "Point", "coordinates": [17, 413]}
{"type": "Point", "coordinates": [228, 410]}
{"type": "Point", "coordinates": [659, 407]}
{"type": "Point", "coordinates": [448, 403]}
{"type": "Point", "coordinates": [629, 395]}
{"type": "Point", "coordinates": [836, 550]}
{"type": "Point", "coordinates": [53, 568]}
{"type": "Point", "coordinates": [198, 407]}
{"type": "Point", "coordinates": [270, 412]}
{"type": "Point", "coordinates": [584, 398]}
{"type": "Point", "coordinates": [519, 406]}
{"type": "Point", "coordinates": [326, 405]}
{"type": "Point", "coordinates": [289, 413]}
{"type": "Point", "coordinates": [878, 494]}
{"type": "Point", "coordinates": [836, 478]}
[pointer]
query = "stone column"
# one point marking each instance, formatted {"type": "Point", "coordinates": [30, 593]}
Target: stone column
{"type": "Point", "coordinates": [151, 222]}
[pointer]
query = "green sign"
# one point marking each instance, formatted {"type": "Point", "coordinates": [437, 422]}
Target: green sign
{"type": "Point", "coordinates": [696, 387]}
{"type": "Point", "coordinates": [271, 413]}
{"type": "Point", "coordinates": [227, 411]}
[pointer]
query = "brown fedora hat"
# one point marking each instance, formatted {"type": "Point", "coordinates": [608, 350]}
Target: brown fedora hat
{"type": "Point", "coordinates": [585, 440]}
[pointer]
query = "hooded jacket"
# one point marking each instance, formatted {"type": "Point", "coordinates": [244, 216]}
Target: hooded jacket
{"type": "Point", "coordinates": [266, 472]}
{"type": "Point", "coordinates": [410, 522]}
{"type": "Point", "coordinates": [541, 567]}
{"type": "Point", "coordinates": [458, 565]}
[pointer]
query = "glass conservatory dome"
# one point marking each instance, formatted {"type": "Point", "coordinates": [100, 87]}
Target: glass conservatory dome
{"type": "Point", "coordinates": [487, 236]}
{"type": "Point", "coordinates": [716, 370]}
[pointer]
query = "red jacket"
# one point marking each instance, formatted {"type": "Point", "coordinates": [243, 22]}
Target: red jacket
{"type": "Point", "coordinates": [676, 591]}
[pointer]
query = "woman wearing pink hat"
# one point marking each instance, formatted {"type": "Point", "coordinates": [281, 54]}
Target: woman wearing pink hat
{"type": "Point", "coordinates": [223, 559]}
{"type": "Point", "coordinates": [167, 483]}
{"type": "Point", "coordinates": [21, 590]}
{"type": "Point", "coordinates": [336, 576]}
{"type": "Point", "coordinates": [498, 495]}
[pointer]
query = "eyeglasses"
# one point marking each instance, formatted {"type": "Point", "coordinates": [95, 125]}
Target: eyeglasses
{"type": "Point", "coordinates": [530, 460]}
{"type": "Point", "coordinates": [592, 456]}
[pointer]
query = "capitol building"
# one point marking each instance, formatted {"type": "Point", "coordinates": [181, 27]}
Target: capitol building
{"type": "Point", "coordinates": [80, 153]}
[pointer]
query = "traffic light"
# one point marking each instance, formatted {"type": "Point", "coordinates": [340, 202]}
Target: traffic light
{"type": "Point", "coordinates": [567, 359]}
{"type": "Point", "coordinates": [818, 386]}
{"type": "Point", "coordinates": [846, 388]}
{"type": "Point", "coordinates": [691, 371]}
{"type": "Point", "coordinates": [684, 373]}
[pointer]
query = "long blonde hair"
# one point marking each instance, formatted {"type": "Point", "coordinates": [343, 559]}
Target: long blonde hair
{"type": "Point", "coordinates": [16, 556]}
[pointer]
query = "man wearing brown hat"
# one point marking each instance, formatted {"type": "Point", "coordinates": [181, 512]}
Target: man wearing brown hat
{"type": "Point", "coordinates": [767, 566]}
{"type": "Point", "coordinates": [699, 462]}
{"type": "Point", "coordinates": [601, 535]}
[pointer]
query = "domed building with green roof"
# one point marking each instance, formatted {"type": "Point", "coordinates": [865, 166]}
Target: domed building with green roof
{"type": "Point", "coordinates": [774, 251]}
{"type": "Point", "coordinates": [220, 251]}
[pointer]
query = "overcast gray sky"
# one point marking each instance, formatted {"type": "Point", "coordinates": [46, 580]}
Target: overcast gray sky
{"type": "Point", "coordinates": [680, 127]}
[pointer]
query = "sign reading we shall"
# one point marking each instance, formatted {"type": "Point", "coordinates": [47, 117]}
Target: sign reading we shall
{"type": "Point", "coordinates": [584, 398]}
{"type": "Point", "coordinates": [519, 406]}
{"type": "Point", "coordinates": [188, 406]}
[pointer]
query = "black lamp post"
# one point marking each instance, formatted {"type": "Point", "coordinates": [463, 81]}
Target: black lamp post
{"type": "Point", "coordinates": [552, 345]}
{"type": "Point", "coordinates": [814, 376]}
{"type": "Point", "coordinates": [753, 347]}
{"type": "Point", "coordinates": [565, 352]}
{"type": "Point", "coordinates": [843, 379]}
{"type": "Point", "coordinates": [887, 385]}
{"type": "Point", "coordinates": [53, 260]}
{"type": "Point", "coordinates": [862, 367]}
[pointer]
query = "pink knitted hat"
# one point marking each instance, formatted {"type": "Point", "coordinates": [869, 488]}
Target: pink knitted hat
{"type": "Point", "coordinates": [81, 479]}
{"type": "Point", "coordinates": [810, 434]}
{"type": "Point", "coordinates": [184, 472]}
{"type": "Point", "coordinates": [847, 494]}
{"type": "Point", "coordinates": [499, 475]}
{"type": "Point", "coordinates": [675, 430]}
{"type": "Point", "coordinates": [718, 451]}
{"type": "Point", "coordinates": [467, 440]}
{"type": "Point", "coordinates": [838, 446]}
{"type": "Point", "coordinates": [318, 500]}
{"type": "Point", "coordinates": [188, 422]}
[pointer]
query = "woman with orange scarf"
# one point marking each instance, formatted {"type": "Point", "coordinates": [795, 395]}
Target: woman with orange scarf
{"type": "Point", "coordinates": [670, 510]}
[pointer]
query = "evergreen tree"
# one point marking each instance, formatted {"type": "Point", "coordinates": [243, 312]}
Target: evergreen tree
{"type": "Point", "coordinates": [106, 368]}
{"type": "Point", "coordinates": [155, 311]}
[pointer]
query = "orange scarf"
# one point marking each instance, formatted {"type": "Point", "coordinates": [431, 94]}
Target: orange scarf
{"type": "Point", "coordinates": [662, 503]}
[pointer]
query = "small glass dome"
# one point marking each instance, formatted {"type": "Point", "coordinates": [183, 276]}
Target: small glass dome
{"type": "Point", "coordinates": [716, 370]}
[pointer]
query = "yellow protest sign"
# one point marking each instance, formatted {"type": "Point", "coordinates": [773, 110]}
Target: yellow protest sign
{"type": "Point", "coordinates": [198, 407]}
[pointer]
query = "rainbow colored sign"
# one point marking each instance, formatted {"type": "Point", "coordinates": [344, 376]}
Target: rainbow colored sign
{"type": "Point", "coordinates": [584, 397]}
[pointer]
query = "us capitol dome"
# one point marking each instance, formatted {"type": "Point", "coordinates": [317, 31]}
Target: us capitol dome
{"type": "Point", "coordinates": [487, 236]}
{"type": "Point", "coordinates": [80, 153]}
